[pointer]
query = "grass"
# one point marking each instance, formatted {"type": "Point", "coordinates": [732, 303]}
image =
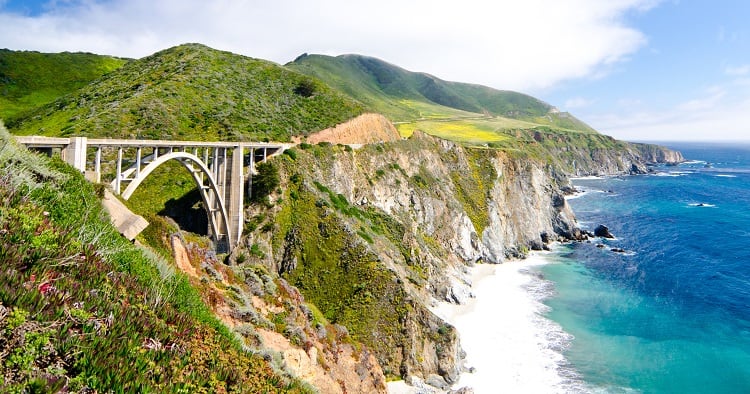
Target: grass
{"type": "Point", "coordinates": [31, 79]}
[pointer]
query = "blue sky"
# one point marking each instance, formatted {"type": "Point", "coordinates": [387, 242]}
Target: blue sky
{"type": "Point", "coordinates": [634, 69]}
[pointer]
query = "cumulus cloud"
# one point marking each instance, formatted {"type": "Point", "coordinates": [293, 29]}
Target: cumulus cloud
{"type": "Point", "coordinates": [577, 102]}
{"type": "Point", "coordinates": [722, 113]}
{"type": "Point", "coordinates": [737, 71]}
{"type": "Point", "coordinates": [508, 44]}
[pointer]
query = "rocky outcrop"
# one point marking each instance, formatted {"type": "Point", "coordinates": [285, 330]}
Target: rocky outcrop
{"type": "Point", "coordinates": [581, 154]}
{"type": "Point", "coordinates": [658, 154]}
{"type": "Point", "coordinates": [603, 231]}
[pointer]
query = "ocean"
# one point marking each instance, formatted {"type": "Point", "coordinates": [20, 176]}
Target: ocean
{"type": "Point", "coordinates": [670, 314]}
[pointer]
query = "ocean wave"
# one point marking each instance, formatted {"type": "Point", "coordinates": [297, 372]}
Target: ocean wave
{"type": "Point", "coordinates": [582, 192]}
{"type": "Point", "coordinates": [701, 205]}
{"type": "Point", "coordinates": [586, 178]}
{"type": "Point", "coordinates": [673, 173]}
{"type": "Point", "coordinates": [513, 336]}
{"type": "Point", "coordinates": [726, 176]}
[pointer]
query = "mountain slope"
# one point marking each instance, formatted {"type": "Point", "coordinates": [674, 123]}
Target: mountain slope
{"type": "Point", "coordinates": [194, 92]}
{"type": "Point", "coordinates": [31, 79]}
{"type": "Point", "coordinates": [407, 96]}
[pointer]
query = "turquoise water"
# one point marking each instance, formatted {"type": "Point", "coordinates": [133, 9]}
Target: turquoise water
{"type": "Point", "coordinates": [672, 314]}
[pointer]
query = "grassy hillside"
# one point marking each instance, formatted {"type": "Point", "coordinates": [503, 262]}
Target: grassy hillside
{"type": "Point", "coordinates": [84, 310]}
{"type": "Point", "coordinates": [409, 96]}
{"type": "Point", "coordinates": [32, 79]}
{"type": "Point", "coordinates": [194, 92]}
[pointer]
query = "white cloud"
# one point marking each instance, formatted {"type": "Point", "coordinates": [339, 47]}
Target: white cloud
{"type": "Point", "coordinates": [703, 103]}
{"type": "Point", "coordinates": [577, 102]}
{"type": "Point", "coordinates": [521, 45]}
{"type": "Point", "coordinates": [714, 117]}
{"type": "Point", "coordinates": [737, 71]}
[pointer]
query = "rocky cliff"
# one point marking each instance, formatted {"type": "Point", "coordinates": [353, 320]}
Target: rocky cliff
{"type": "Point", "coordinates": [373, 236]}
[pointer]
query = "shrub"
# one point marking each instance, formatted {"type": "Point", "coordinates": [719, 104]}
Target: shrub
{"type": "Point", "coordinates": [291, 153]}
{"type": "Point", "coordinates": [265, 182]}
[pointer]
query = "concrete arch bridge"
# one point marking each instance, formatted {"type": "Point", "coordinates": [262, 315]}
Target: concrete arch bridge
{"type": "Point", "coordinates": [218, 169]}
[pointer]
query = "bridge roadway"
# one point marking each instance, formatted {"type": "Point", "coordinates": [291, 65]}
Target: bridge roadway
{"type": "Point", "coordinates": [218, 169]}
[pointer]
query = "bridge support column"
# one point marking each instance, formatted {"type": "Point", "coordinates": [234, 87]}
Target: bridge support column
{"type": "Point", "coordinates": [75, 153]}
{"type": "Point", "coordinates": [235, 184]}
{"type": "Point", "coordinates": [98, 165]}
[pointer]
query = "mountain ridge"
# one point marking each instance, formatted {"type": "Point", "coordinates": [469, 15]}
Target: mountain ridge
{"type": "Point", "coordinates": [385, 86]}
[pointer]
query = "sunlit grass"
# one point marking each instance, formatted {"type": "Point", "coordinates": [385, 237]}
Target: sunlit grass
{"type": "Point", "coordinates": [427, 111]}
{"type": "Point", "coordinates": [476, 131]}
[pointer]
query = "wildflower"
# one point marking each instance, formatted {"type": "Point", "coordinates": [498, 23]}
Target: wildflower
{"type": "Point", "coordinates": [46, 288]}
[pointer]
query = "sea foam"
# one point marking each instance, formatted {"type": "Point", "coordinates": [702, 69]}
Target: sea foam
{"type": "Point", "coordinates": [509, 343]}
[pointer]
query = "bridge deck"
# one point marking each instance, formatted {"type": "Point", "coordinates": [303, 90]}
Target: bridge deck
{"type": "Point", "coordinates": [57, 142]}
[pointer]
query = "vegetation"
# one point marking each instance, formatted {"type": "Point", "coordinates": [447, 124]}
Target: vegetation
{"type": "Point", "coordinates": [338, 274]}
{"type": "Point", "coordinates": [193, 92]}
{"type": "Point", "coordinates": [409, 96]}
{"type": "Point", "coordinates": [69, 283]}
{"type": "Point", "coordinates": [474, 191]}
{"type": "Point", "coordinates": [32, 79]}
{"type": "Point", "coordinates": [265, 181]}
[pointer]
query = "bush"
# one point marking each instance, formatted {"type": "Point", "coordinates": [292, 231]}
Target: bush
{"type": "Point", "coordinates": [291, 153]}
{"type": "Point", "coordinates": [265, 182]}
{"type": "Point", "coordinates": [305, 88]}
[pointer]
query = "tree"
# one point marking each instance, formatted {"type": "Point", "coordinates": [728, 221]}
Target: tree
{"type": "Point", "coordinates": [265, 181]}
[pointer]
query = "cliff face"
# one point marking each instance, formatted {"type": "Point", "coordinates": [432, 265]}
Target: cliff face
{"type": "Point", "coordinates": [658, 154]}
{"type": "Point", "coordinates": [373, 236]}
{"type": "Point", "coordinates": [581, 154]}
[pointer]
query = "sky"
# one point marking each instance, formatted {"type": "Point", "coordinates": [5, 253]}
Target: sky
{"type": "Point", "coordinates": [638, 70]}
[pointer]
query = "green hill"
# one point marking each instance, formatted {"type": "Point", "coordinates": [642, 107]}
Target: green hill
{"type": "Point", "coordinates": [194, 92]}
{"type": "Point", "coordinates": [32, 79]}
{"type": "Point", "coordinates": [408, 96]}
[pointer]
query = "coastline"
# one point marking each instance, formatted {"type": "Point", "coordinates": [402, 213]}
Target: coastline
{"type": "Point", "coordinates": [510, 346]}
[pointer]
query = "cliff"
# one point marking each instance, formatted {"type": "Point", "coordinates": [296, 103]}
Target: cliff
{"type": "Point", "coordinates": [373, 236]}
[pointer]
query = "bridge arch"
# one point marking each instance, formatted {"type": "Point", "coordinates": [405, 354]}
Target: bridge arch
{"type": "Point", "coordinates": [211, 194]}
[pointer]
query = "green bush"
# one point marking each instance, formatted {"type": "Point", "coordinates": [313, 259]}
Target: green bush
{"type": "Point", "coordinates": [265, 181]}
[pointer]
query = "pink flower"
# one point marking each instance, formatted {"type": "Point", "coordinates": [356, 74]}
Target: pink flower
{"type": "Point", "coordinates": [46, 288]}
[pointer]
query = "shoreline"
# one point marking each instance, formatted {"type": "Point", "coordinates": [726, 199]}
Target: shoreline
{"type": "Point", "coordinates": [509, 344]}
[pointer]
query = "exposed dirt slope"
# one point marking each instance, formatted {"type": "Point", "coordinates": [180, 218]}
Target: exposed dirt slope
{"type": "Point", "coordinates": [364, 129]}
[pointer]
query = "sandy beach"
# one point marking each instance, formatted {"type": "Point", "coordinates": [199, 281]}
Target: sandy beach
{"type": "Point", "coordinates": [511, 347]}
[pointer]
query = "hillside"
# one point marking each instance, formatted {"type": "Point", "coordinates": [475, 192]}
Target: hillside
{"type": "Point", "coordinates": [407, 96]}
{"type": "Point", "coordinates": [32, 79]}
{"type": "Point", "coordinates": [194, 92]}
{"type": "Point", "coordinates": [84, 310]}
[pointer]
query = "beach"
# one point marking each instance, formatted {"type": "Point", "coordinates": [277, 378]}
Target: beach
{"type": "Point", "coordinates": [510, 346]}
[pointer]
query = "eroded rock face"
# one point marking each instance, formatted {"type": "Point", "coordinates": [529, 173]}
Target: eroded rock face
{"type": "Point", "coordinates": [405, 219]}
{"type": "Point", "coordinates": [419, 211]}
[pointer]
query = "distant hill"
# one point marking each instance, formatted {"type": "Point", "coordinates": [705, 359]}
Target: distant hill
{"type": "Point", "coordinates": [31, 79]}
{"type": "Point", "coordinates": [408, 96]}
{"type": "Point", "coordinates": [194, 92]}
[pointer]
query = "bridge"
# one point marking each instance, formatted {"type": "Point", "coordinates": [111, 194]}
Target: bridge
{"type": "Point", "coordinates": [218, 169]}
